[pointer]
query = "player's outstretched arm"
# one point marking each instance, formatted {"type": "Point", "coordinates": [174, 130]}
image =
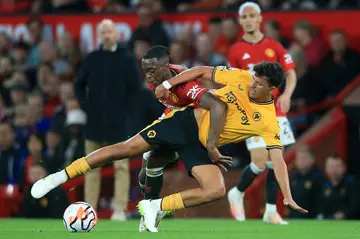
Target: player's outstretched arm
{"type": "Point", "coordinates": [204, 72]}
{"type": "Point", "coordinates": [218, 111]}
{"type": "Point", "coordinates": [282, 177]}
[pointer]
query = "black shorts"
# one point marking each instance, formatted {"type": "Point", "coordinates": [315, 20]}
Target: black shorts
{"type": "Point", "coordinates": [178, 132]}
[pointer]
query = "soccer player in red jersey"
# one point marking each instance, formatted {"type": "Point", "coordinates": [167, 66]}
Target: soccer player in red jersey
{"type": "Point", "coordinates": [252, 49]}
{"type": "Point", "coordinates": [157, 69]}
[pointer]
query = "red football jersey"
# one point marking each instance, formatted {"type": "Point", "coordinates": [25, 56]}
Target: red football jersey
{"type": "Point", "coordinates": [245, 55]}
{"type": "Point", "coordinates": [184, 94]}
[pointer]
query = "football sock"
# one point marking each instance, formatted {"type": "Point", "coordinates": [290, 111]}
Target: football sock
{"type": "Point", "coordinates": [172, 202]}
{"type": "Point", "coordinates": [142, 180]}
{"type": "Point", "coordinates": [154, 183]}
{"type": "Point", "coordinates": [248, 175]}
{"type": "Point", "coordinates": [78, 167]}
{"type": "Point", "coordinates": [272, 187]}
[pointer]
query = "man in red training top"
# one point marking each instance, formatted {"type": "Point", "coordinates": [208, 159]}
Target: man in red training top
{"type": "Point", "coordinates": [252, 49]}
{"type": "Point", "coordinates": [157, 69]}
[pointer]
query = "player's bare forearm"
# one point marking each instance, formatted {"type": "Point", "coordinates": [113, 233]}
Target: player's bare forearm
{"type": "Point", "coordinates": [204, 72]}
{"type": "Point", "coordinates": [218, 110]}
{"type": "Point", "coordinates": [281, 172]}
{"type": "Point", "coordinates": [291, 81]}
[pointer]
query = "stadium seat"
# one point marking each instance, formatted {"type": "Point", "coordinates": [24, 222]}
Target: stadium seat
{"type": "Point", "coordinates": [10, 199]}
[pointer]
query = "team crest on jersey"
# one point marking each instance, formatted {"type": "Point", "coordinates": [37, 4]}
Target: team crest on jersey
{"type": "Point", "coordinates": [269, 52]}
{"type": "Point", "coordinates": [256, 116]}
{"type": "Point", "coordinates": [173, 97]}
{"type": "Point", "coordinates": [151, 134]}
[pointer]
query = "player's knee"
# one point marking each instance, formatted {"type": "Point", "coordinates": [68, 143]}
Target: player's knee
{"type": "Point", "coordinates": [260, 162]}
{"type": "Point", "coordinates": [216, 190]}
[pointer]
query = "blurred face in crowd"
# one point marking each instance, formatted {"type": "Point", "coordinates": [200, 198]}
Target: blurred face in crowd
{"type": "Point", "coordinates": [35, 107]}
{"type": "Point", "coordinates": [338, 42]}
{"type": "Point", "coordinates": [177, 53]}
{"type": "Point", "coordinates": [43, 74]}
{"type": "Point", "coordinates": [186, 35]}
{"type": "Point", "coordinates": [7, 136]}
{"type": "Point", "coordinates": [35, 32]}
{"type": "Point", "coordinates": [271, 32]}
{"type": "Point", "coordinates": [5, 67]}
{"type": "Point", "coordinates": [250, 20]}
{"type": "Point", "coordinates": [65, 43]}
{"type": "Point", "coordinates": [156, 70]}
{"type": "Point", "coordinates": [51, 86]}
{"type": "Point", "coordinates": [52, 139]}
{"type": "Point", "coordinates": [35, 145]}
{"type": "Point", "coordinates": [66, 91]}
{"type": "Point", "coordinates": [47, 51]}
{"type": "Point", "coordinates": [19, 54]}
{"type": "Point", "coordinates": [145, 16]}
{"type": "Point", "coordinates": [18, 96]}
{"type": "Point", "coordinates": [229, 28]}
{"type": "Point", "coordinates": [36, 173]}
{"type": "Point", "coordinates": [140, 48]}
{"type": "Point", "coordinates": [214, 30]}
{"type": "Point", "coordinates": [334, 168]}
{"type": "Point", "coordinates": [21, 116]}
{"type": "Point", "coordinates": [302, 35]}
{"type": "Point", "coordinates": [3, 43]}
{"type": "Point", "coordinates": [203, 45]}
{"type": "Point", "coordinates": [72, 104]}
{"type": "Point", "coordinates": [304, 160]}
{"type": "Point", "coordinates": [265, 4]}
{"type": "Point", "coordinates": [108, 34]}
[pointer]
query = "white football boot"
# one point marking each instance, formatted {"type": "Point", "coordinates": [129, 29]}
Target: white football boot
{"type": "Point", "coordinates": [45, 185]}
{"type": "Point", "coordinates": [149, 209]}
{"type": "Point", "coordinates": [236, 201]}
{"type": "Point", "coordinates": [274, 218]}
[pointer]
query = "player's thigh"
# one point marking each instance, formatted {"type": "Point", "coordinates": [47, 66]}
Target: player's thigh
{"type": "Point", "coordinates": [258, 153]}
{"type": "Point", "coordinates": [286, 133]}
{"type": "Point", "coordinates": [131, 147]}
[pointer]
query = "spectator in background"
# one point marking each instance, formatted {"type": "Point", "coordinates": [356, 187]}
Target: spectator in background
{"type": "Point", "coordinates": [214, 28]}
{"type": "Point", "coordinates": [341, 5]}
{"type": "Point", "coordinates": [74, 146]}
{"type": "Point", "coordinates": [69, 52]}
{"type": "Point", "coordinates": [272, 30]}
{"type": "Point", "coordinates": [37, 119]}
{"type": "Point", "coordinates": [20, 53]}
{"type": "Point", "coordinates": [18, 93]}
{"type": "Point", "coordinates": [48, 53]}
{"type": "Point", "coordinates": [35, 29]}
{"type": "Point", "coordinates": [11, 170]}
{"type": "Point", "coordinates": [186, 37]}
{"type": "Point", "coordinates": [35, 147]}
{"type": "Point", "coordinates": [177, 54]}
{"type": "Point", "coordinates": [205, 54]}
{"type": "Point", "coordinates": [54, 153]}
{"type": "Point", "coordinates": [339, 195]}
{"type": "Point", "coordinates": [268, 5]}
{"type": "Point", "coordinates": [51, 94]}
{"type": "Point", "coordinates": [305, 182]}
{"type": "Point", "coordinates": [312, 45]}
{"type": "Point", "coordinates": [22, 127]}
{"type": "Point", "coordinates": [200, 5]}
{"type": "Point", "coordinates": [66, 92]}
{"type": "Point", "coordinates": [231, 4]}
{"type": "Point", "coordinates": [151, 26]}
{"type": "Point", "coordinates": [6, 69]}
{"type": "Point", "coordinates": [4, 44]}
{"type": "Point", "coordinates": [229, 35]}
{"type": "Point", "coordinates": [340, 65]}
{"type": "Point", "coordinates": [52, 205]}
{"type": "Point", "coordinates": [141, 46]}
{"type": "Point", "coordinates": [120, 83]}
{"type": "Point", "coordinates": [44, 72]}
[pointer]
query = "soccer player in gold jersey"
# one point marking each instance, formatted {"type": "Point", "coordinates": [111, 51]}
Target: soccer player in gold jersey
{"type": "Point", "coordinates": [250, 112]}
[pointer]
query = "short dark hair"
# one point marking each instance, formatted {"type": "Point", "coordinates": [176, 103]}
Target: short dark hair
{"type": "Point", "coordinates": [157, 52]}
{"type": "Point", "coordinates": [274, 24]}
{"type": "Point", "coordinates": [214, 20]}
{"type": "Point", "coordinates": [35, 19]}
{"type": "Point", "coordinates": [338, 31]}
{"type": "Point", "coordinates": [272, 70]}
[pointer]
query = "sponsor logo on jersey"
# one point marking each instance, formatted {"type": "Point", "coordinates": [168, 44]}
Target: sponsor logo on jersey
{"type": "Point", "coordinates": [194, 92]}
{"type": "Point", "coordinates": [246, 56]}
{"type": "Point", "coordinates": [232, 99]}
{"type": "Point", "coordinates": [269, 52]}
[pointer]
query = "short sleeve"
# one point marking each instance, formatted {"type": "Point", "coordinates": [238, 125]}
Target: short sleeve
{"type": "Point", "coordinates": [285, 58]}
{"type": "Point", "coordinates": [271, 136]}
{"type": "Point", "coordinates": [192, 90]}
{"type": "Point", "coordinates": [230, 76]}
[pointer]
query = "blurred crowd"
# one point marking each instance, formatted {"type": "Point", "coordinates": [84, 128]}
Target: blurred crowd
{"type": "Point", "coordinates": [128, 6]}
{"type": "Point", "coordinates": [42, 123]}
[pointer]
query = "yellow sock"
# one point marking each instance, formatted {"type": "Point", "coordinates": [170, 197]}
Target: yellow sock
{"type": "Point", "coordinates": [172, 202]}
{"type": "Point", "coordinates": [78, 167]}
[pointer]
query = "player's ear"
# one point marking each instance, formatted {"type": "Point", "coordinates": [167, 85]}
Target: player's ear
{"type": "Point", "coordinates": [271, 89]}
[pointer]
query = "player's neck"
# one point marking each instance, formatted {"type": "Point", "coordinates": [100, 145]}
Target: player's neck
{"type": "Point", "coordinates": [254, 37]}
{"type": "Point", "coordinates": [263, 100]}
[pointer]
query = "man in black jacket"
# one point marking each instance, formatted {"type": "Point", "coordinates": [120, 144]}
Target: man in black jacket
{"type": "Point", "coordinates": [106, 88]}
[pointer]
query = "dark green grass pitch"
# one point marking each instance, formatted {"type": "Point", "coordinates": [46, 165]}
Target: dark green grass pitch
{"type": "Point", "coordinates": [183, 229]}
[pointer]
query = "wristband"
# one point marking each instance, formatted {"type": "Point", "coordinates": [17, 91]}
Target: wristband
{"type": "Point", "coordinates": [166, 85]}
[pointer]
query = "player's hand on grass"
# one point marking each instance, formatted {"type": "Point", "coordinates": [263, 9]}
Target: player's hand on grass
{"type": "Point", "coordinates": [291, 203]}
{"type": "Point", "coordinates": [284, 103]}
{"type": "Point", "coordinates": [161, 93]}
{"type": "Point", "coordinates": [221, 161]}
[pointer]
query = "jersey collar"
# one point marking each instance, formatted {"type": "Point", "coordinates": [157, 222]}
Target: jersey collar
{"type": "Point", "coordinates": [263, 103]}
